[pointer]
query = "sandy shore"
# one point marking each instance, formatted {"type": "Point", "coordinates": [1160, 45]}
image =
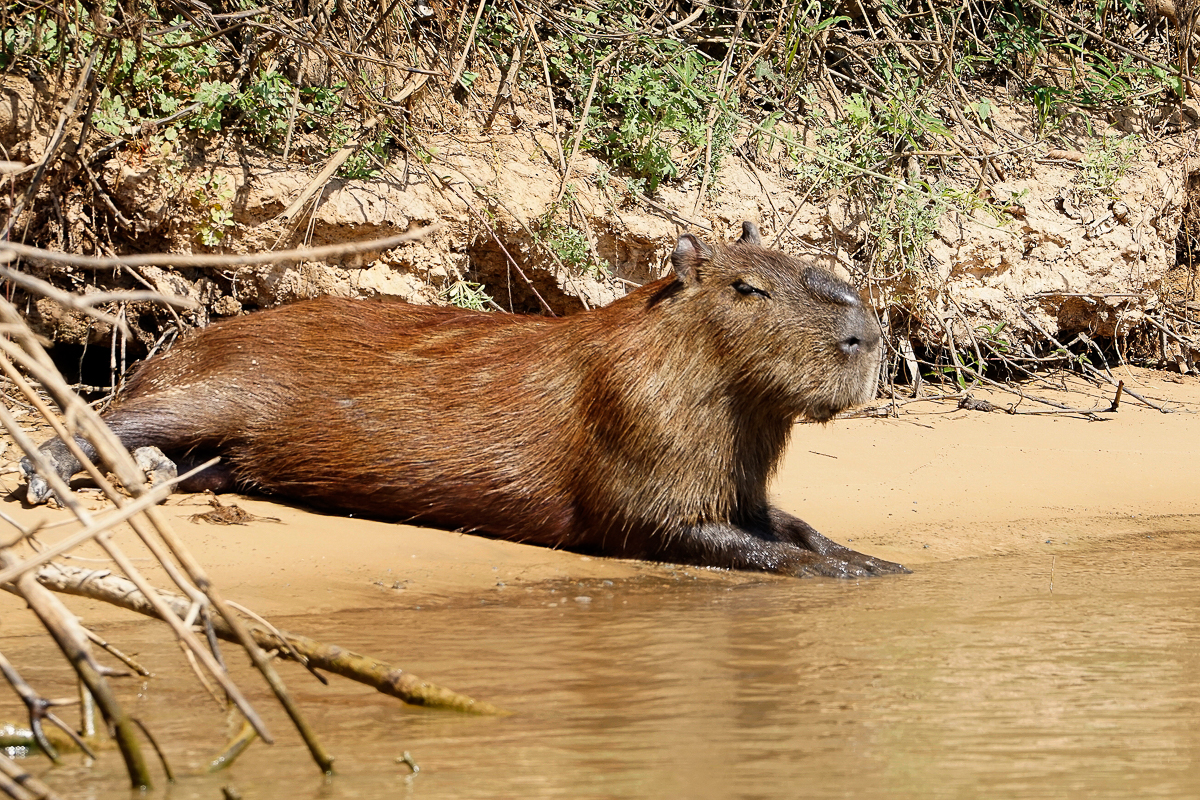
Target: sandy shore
{"type": "Point", "coordinates": [935, 483]}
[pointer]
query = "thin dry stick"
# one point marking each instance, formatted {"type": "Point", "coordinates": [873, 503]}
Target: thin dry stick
{"type": "Point", "coordinates": [1105, 40]}
{"type": "Point", "coordinates": [39, 709]}
{"type": "Point", "coordinates": [715, 111]}
{"type": "Point", "coordinates": [496, 237]}
{"type": "Point", "coordinates": [85, 75]}
{"type": "Point", "coordinates": [182, 628]}
{"type": "Point", "coordinates": [117, 654]}
{"type": "Point", "coordinates": [68, 635]}
{"type": "Point", "coordinates": [162, 758]}
{"type": "Point", "coordinates": [953, 348]}
{"type": "Point", "coordinates": [20, 784]}
{"type": "Point", "coordinates": [1088, 367]}
{"type": "Point", "coordinates": [87, 303]}
{"type": "Point", "coordinates": [504, 91]}
{"type": "Point", "coordinates": [115, 455]}
{"type": "Point", "coordinates": [466, 51]}
{"type": "Point", "coordinates": [9, 250]}
{"type": "Point", "coordinates": [674, 216]}
{"type": "Point", "coordinates": [583, 118]}
{"type": "Point", "coordinates": [761, 184]}
{"type": "Point", "coordinates": [579, 292]}
{"type": "Point", "coordinates": [562, 159]}
{"type": "Point", "coordinates": [243, 636]}
{"type": "Point", "coordinates": [291, 126]}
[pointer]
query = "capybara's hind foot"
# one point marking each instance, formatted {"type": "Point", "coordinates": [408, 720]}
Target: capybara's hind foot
{"type": "Point", "coordinates": [37, 488]}
{"type": "Point", "coordinates": [158, 468]}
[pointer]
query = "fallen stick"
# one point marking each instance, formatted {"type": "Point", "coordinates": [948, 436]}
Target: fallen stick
{"type": "Point", "coordinates": [385, 678]}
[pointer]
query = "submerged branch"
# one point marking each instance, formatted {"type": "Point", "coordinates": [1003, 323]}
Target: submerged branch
{"type": "Point", "coordinates": [385, 678]}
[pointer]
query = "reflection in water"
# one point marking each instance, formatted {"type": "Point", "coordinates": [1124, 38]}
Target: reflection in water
{"type": "Point", "coordinates": [965, 679]}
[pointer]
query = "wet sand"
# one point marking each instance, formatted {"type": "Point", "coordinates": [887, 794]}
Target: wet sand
{"type": "Point", "coordinates": [1022, 530]}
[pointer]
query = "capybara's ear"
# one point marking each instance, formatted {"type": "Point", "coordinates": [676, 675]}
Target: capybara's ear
{"type": "Point", "coordinates": [690, 253]}
{"type": "Point", "coordinates": [750, 234]}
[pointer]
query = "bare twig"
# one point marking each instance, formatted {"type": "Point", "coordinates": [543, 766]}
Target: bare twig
{"type": "Point", "coordinates": [583, 118]}
{"type": "Point", "coordinates": [10, 249]}
{"type": "Point", "coordinates": [87, 303]}
{"type": "Point", "coordinates": [19, 784]}
{"type": "Point", "coordinates": [85, 75]}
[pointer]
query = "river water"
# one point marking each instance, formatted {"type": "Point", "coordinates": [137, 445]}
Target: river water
{"type": "Point", "coordinates": [1063, 673]}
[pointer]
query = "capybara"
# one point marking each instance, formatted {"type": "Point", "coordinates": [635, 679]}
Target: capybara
{"type": "Point", "coordinates": [645, 429]}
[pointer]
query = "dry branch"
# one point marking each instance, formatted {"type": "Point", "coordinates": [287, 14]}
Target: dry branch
{"type": "Point", "coordinates": [73, 642]}
{"type": "Point", "coordinates": [383, 677]}
{"type": "Point", "coordinates": [20, 785]}
{"type": "Point", "coordinates": [10, 250]}
{"type": "Point", "coordinates": [332, 166]}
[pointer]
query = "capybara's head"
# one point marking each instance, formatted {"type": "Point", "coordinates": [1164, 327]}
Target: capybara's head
{"type": "Point", "coordinates": [799, 337]}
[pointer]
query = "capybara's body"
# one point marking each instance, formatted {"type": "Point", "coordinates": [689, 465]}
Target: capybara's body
{"type": "Point", "coordinates": [648, 428]}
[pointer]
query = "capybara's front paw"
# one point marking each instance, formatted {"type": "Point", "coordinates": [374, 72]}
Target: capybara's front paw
{"type": "Point", "coordinates": [853, 565]}
{"type": "Point", "coordinates": [877, 566]}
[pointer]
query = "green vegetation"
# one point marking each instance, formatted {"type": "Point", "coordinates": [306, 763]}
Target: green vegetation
{"type": "Point", "coordinates": [214, 199]}
{"type": "Point", "coordinates": [568, 244]}
{"type": "Point", "coordinates": [467, 294]}
{"type": "Point", "coordinates": [1105, 165]}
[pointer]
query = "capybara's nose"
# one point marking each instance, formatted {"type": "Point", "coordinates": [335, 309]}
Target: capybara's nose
{"type": "Point", "coordinates": [850, 345]}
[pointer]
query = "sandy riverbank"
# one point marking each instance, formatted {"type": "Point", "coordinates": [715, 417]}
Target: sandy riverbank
{"type": "Point", "coordinates": [934, 484]}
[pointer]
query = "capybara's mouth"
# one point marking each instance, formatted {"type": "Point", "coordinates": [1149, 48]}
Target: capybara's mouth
{"type": "Point", "coordinates": [824, 413]}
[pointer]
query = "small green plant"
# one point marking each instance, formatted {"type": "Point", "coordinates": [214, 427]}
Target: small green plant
{"type": "Point", "coordinates": [904, 225]}
{"type": "Point", "coordinates": [267, 105]}
{"type": "Point", "coordinates": [214, 200]}
{"type": "Point", "coordinates": [991, 338]}
{"type": "Point", "coordinates": [804, 24]}
{"type": "Point", "coordinates": [467, 294]}
{"type": "Point", "coordinates": [214, 97]}
{"type": "Point", "coordinates": [1014, 40]}
{"type": "Point", "coordinates": [364, 163]}
{"type": "Point", "coordinates": [113, 117]}
{"type": "Point", "coordinates": [568, 243]}
{"type": "Point", "coordinates": [656, 103]}
{"type": "Point", "coordinates": [1105, 166]}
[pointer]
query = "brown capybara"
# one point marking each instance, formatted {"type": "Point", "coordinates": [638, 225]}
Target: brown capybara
{"type": "Point", "coordinates": [645, 429]}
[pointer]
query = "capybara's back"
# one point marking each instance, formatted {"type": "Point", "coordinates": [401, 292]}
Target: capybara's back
{"type": "Point", "coordinates": [647, 428]}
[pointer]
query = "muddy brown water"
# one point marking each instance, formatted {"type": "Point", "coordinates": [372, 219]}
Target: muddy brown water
{"type": "Point", "coordinates": [1063, 672]}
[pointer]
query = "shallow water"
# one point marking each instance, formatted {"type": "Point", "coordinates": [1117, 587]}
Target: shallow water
{"type": "Point", "coordinates": [1058, 673]}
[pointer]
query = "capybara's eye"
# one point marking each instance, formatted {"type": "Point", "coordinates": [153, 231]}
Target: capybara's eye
{"type": "Point", "coordinates": [745, 288]}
